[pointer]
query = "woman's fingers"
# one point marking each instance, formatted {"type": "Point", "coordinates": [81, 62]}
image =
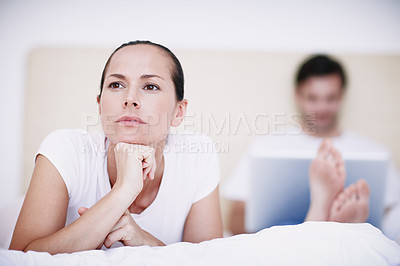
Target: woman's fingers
{"type": "Point", "coordinates": [146, 169]}
{"type": "Point", "coordinates": [134, 164]}
{"type": "Point", "coordinates": [149, 171]}
{"type": "Point", "coordinates": [114, 237]}
{"type": "Point", "coordinates": [122, 221]}
{"type": "Point", "coordinates": [121, 231]}
{"type": "Point", "coordinates": [145, 172]}
{"type": "Point", "coordinates": [153, 170]}
{"type": "Point", "coordinates": [148, 163]}
{"type": "Point", "coordinates": [82, 210]}
{"type": "Point", "coordinates": [131, 159]}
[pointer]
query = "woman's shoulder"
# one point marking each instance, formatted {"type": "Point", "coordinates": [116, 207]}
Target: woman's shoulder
{"type": "Point", "coordinates": [66, 134]}
{"type": "Point", "coordinates": [78, 139]}
{"type": "Point", "coordinates": [75, 154]}
{"type": "Point", "coordinates": [71, 133]}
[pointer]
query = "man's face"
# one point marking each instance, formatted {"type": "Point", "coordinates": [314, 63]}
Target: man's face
{"type": "Point", "coordinates": [319, 99]}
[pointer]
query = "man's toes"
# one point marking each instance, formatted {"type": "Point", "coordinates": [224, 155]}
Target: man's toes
{"type": "Point", "coordinates": [325, 147]}
{"type": "Point", "coordinates": [363, 189]}
{"type": "Point", "coordinates": [336, 156]}
{"type": "Point", "coordinates": [341, 169]}
{"type": "Point", "coordinates": [335, 209]}
{"type": "Point", "coordinates": [341, 199]}
{"type": "Point", "coordinates": [350, 191]}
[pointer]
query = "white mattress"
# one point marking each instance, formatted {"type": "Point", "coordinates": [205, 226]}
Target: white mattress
{"type": "Point", "coordinates": [311, 243]}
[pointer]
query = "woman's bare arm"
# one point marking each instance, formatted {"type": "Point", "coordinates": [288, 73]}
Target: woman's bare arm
{"type": "Point", "coordinates": [45, 206]}
{"type": "Point", "coordinates": [128, 232]}
{"type": "Point", "coordinates": [236, 218]}
{"type": "Point", "coordinates": [204, 221]}
{"type": "Point", "coordinates": [40, 225]}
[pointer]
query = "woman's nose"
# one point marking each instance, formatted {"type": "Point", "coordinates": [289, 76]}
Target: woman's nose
{"type": "Point", "coordinates": [131, 100]}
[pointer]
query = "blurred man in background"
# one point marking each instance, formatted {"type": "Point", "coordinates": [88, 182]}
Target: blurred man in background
{"type": "Point", "coordinates": [320, 88]}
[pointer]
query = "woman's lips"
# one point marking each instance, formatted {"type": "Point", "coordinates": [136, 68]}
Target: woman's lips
{"type": "Point", "coordinates": [130, 121]}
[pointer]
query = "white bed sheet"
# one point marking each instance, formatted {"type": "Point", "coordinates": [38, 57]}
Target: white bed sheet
{"type": "Point", "coordinates": [311, 243]}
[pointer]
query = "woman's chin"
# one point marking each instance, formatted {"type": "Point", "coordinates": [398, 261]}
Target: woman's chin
{"type": "Point", "coordinates": [136, 138]}
{"type": "Point", "coordinates": [131, 139]}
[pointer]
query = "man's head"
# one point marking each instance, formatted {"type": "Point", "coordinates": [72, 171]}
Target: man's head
{"type": "Point", "coordinates": [320, 85]}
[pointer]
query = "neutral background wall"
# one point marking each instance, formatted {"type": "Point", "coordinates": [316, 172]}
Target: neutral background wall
{"type": "Point", "coordinates": [340, 27]}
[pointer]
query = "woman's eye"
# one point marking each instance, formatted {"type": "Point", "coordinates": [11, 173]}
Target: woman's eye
{"type": "Point", "coordinates": [151, 87]}
{"type": "Point", "coordinates": [115, 85]}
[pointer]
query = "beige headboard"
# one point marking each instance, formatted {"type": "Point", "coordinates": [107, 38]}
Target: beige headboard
{"type": "Point", "coordinates": [62, 85]}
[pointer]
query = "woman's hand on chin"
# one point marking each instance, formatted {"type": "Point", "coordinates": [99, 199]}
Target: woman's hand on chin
{"type": "Point", "coordinates": [134, 164]}
{"type": "Point", "coordinates": [128, 232]}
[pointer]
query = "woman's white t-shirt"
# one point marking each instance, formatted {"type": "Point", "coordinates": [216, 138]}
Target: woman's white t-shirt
{"type": "Point", "coordinates": [191, 172]}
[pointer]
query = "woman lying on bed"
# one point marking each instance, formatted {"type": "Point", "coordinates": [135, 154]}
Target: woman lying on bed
{"type": "Point", "coordinates": [142, 185]}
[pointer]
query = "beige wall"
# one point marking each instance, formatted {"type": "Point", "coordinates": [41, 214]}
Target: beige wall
{"type": "Point", "coordinates": [62, 84]}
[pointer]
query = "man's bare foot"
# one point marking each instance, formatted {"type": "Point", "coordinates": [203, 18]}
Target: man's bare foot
{"type": "Point", "coordinates": [352, 205]}
{"type": "Point", "coordinates": [327, 178]}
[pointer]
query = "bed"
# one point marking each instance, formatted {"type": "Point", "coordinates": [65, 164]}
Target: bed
{"type": "Point", "coordinates": [310, 243]}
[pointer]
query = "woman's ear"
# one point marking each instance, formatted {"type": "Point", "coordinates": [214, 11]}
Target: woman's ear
{"type": "Point", "coordinates": [180, 113]}
{"type": "Point", "coordinates": [98, 102]}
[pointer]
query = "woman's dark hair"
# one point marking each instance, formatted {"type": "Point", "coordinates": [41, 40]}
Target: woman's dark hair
{"type": "Point", "coordinates": [319, 65]}
{"type": "Point", "coordinates": [176, 70]}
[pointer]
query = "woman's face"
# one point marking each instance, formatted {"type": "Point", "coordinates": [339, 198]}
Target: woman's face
{"type": "Point", "coordinates": [138, 101]}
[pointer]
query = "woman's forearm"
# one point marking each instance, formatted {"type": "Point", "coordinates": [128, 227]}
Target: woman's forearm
{"type": "Point", "coordinates": [90, 230]}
